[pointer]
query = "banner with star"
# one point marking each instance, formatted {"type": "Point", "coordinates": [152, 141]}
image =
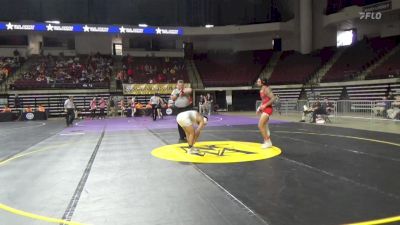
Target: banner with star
{"type": "Point", "coordinates": [88, 28]}
{"type": "Point", "coordinates": [149, 89]}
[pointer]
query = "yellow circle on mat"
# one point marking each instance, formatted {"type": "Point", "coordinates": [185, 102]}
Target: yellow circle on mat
{"type": "Point", "coordinates": [216, 152]}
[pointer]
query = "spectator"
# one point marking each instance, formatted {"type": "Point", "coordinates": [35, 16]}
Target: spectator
{"type": "Point", "coordinates": [17, 101]}
{"type": "Point", "coordinates": [63, 72]}
{"type": "Point", "coordinates": [139, 105]}
{"type": "Point", "coordinates": [6, 109]}
{"type": "Point", "coordinates": [93, 106]}
{"type": "Point", "coordinates": [202, 106]}
{"type": "Point", "coordinates": [8, 65]}
{"type": "Point", "coordinates": [155, 102]}
{"type": "Point", "coordinates": [381, 107]}
{"type": "Point", "coordinates": [69, 107]}
{"type": "Point", "coordinates": [122, 107]}
{"type": "Point", "coordinates": [318, 109]}
{"type": "Point", "coordinates": [277, 104]}
{"type": "Point", "coordinates": [41, 108]}
{"type": "Point", "coordinates": [394, 111]}
{"type": "Point", "coordinates": [16, 53]}
{"type": "Point", "coordinates": [130, 72]}
{"type": "Point", "coordinates": [133, 106]}
{"type": "Point", "coordinates": [161, 105]}
{"type": "Point", "coordinates": [209, 103]}
{"type": "Point", "coordinates": [307, 110]}
{"type": "Point", "coordinates": [153, 70]}
{"type": "Point", "coordinates": [18, 105]}
{"type": "Point", "coordinates": [327, 106]}
{"type": "Point", "coordinates": [102, 106]}
{"type": "Point", "coordinates": [112, 111]}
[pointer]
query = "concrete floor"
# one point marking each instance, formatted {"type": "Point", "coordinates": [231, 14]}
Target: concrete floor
{"type": "Point", "coordinates": [101, 172]}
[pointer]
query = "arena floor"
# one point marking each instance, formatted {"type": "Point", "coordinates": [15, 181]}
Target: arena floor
{"type": "Point", "coordinates": [103, 172]}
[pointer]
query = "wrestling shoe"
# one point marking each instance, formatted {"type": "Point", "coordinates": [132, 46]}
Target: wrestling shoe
{"type": "Point", "coordinates": [267, 144]}
{"type": "Point", "coordinates": [193, 150]}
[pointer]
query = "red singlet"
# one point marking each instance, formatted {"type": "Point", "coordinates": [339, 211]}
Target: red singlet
{"type": "Point", "coordinates": [264, 99]}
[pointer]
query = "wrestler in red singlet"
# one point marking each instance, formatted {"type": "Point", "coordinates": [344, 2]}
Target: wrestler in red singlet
{"type": "Point", "coordinates": [264, 100]}
{"type": "Point", "coordinates": [267, 98]}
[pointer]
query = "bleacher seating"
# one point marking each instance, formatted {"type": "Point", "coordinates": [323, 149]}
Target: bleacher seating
{"type": "Point", "coordinates": [54, 103]}
{"type": "Point", "coordinates": [288, 95]}
{"type": "Point", "coordinates": [367, 92]}
{"type": "Point", "coordinates": [325, 54]}
{"type": "Point", "coordinates": [355, 92]}
{"type": "Point", "coordinates": [231, 69]}
{"type": "Point", "coordinates": [33, 85]}
{"type": "Point", "coordinates": [8, 65]}
{"type": "Point", "coordinates": [295, 68]}
{"type": "Point", "coordinates": [332, 93]}
{"type": "Point", "coordinates": [360, 92]}
{"type": "Point", "coordinates": [152, 70]}
{"type": "Point", "coordinates": [66, 72]}
{"type": "Point", "coordinates": [388, 69]}
{"type": "Point", "coordinates": [357, 58]}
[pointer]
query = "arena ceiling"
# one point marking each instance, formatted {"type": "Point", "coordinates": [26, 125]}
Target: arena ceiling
{"type": "Point", "coordinates": [154, 12]}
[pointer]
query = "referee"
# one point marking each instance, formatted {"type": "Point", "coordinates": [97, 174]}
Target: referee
{"type": "Point", "coordinates": [18, 106]}
{"type": "Point", "coordinates": [182, 102]}
{"type": "Point", "coordinates": [154, 102]}
{"type": "Point", "coordinates": [69, 107]}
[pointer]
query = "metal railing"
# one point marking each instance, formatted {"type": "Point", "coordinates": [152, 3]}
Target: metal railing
{"type": "Point", "coordinates": [380, 109]}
